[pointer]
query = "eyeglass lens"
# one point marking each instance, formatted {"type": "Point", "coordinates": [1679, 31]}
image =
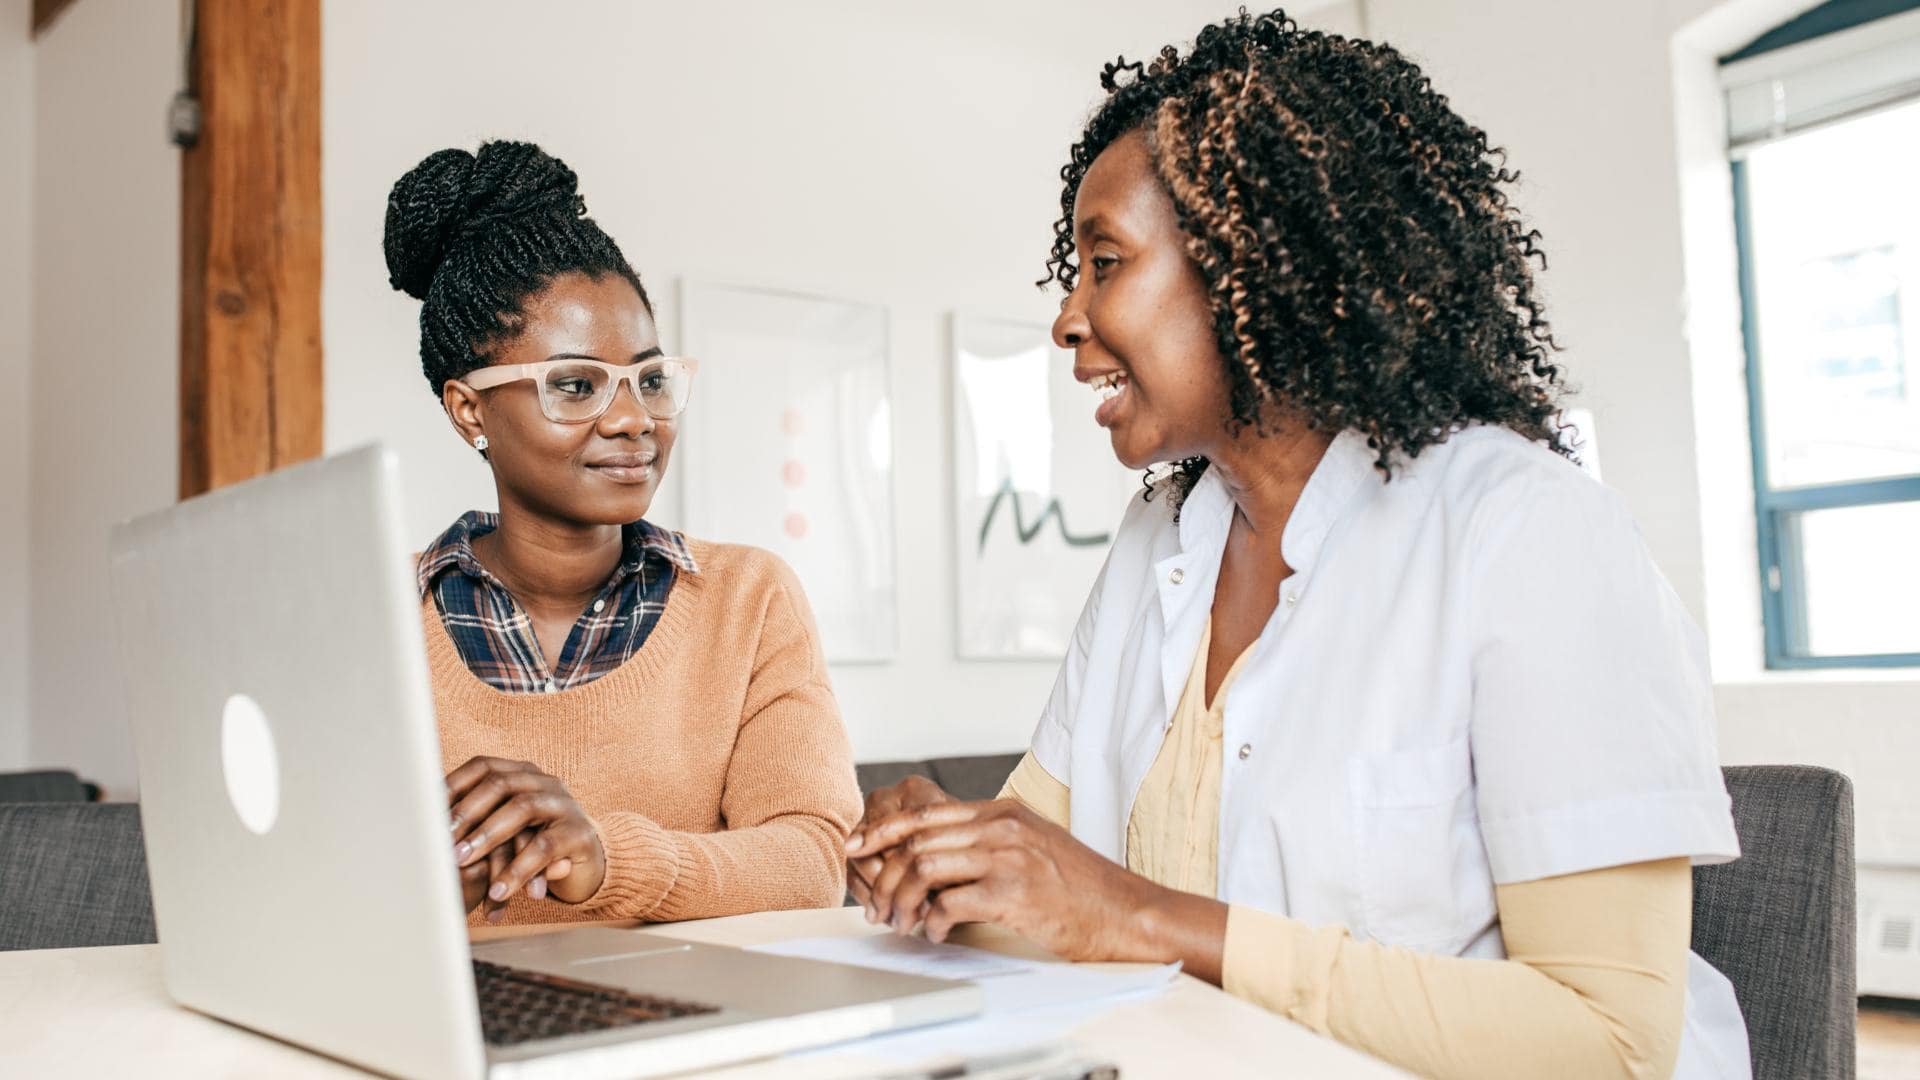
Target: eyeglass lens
{"type": "Point", "coordinates": [572, 393]}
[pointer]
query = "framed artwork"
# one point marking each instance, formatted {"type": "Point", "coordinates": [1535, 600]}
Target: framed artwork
{"type": "Point", "coordinates": [788, 445]}
{"type": "Point", "coordinates": [1037, 491]}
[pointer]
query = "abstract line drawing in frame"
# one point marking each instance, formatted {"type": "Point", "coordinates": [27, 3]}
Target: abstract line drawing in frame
{"type": "Point", "coordinates": [1037, 491]}
{"type": "Point", "coordinates": [788, 444]}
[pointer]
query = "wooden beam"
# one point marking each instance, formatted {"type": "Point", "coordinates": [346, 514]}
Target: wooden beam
{"type": "Point", "coordinates": [45, 11]}
{"type": "Point", "coordinates": [250, 370]}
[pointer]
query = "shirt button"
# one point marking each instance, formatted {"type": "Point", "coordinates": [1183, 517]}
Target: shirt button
{"type": "Point", "coordinates": [1293, 598]}
{"type": "Point", "coordinates": [550, 688]}
{"type": "Point", "coordinates": [1246, 751]}
{"type": "Point", "coordinates": [1177, 576]}
{"type": "Point", "coordinates": [601, 605]}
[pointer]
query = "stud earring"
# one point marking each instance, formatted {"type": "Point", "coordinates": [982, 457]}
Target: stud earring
{"type": "Point", "coordinates": [480, 443]}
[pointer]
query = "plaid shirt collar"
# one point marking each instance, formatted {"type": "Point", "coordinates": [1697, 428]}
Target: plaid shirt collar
{"type": "Point", "coordinates": [454, 549]}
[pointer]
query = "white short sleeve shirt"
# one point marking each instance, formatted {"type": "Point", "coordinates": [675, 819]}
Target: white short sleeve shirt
{"type": "Point", "coordinates": [1475, 675]}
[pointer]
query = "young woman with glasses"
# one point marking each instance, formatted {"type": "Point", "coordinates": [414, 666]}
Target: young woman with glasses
{"type": "Point", "coordinates": [634, 724]}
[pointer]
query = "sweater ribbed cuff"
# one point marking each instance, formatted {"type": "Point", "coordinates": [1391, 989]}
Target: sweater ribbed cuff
{"type": "Point", "coordinates": [643, 863]}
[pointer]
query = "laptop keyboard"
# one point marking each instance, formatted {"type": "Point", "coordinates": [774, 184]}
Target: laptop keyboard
{"type": "Point", "coordinates": [519, 1006]}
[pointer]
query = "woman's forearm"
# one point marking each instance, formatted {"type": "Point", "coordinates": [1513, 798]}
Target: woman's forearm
{"type": "Point", "coordinates": [1180, 926]}
{"type": "Point", "coordinates": [1171, 925]}
{"type": "Point", "coordinates": [1594, 985]}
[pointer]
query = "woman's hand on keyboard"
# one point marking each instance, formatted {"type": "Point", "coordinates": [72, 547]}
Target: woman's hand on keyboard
{"type": "Point", "coordinates": [524, 828]}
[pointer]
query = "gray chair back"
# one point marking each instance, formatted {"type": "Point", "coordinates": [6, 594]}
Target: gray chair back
{"type": "Point", "coordinates": [974, 778]}
{"type": "Point", "coordinates": [50, 785]}
{"type": "Point", "coordinates": [75, 875]}
{"type": "Point", "coordinates": [1779, 921]}
{"type": "Point", "coordinates": [874, 775]}
{"type": "Point", "coordinates": [968, 778]}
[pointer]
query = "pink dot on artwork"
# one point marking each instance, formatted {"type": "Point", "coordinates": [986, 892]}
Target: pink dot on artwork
{"type": "Point", "coordinates": [796, 526]}
{"type": "Point", "coordinates": [793, 422]}
{"type": "Point", "coordinates": [793, 473]}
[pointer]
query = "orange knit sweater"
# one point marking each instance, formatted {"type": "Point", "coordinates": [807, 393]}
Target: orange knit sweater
{"type": "Point", "coordinates": [713, 761]}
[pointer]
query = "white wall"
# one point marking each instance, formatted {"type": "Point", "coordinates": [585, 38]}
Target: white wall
{"type": "Point", "coordinates": [903, 154]}
{"type": "Point", "coordinates": [1579, 96]}
{"type": "Point", "coordinates": [106, 267]}
{"type": "Point", "coordinates": [16, 278]}
{"type": "Point", "coordinates": [896, 153]}
{"type": "Point", "coordinates": [1585, 97]}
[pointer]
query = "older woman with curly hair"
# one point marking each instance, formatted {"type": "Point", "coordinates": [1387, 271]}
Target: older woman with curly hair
{"type": "Point", "coordinates": [1379, 715]}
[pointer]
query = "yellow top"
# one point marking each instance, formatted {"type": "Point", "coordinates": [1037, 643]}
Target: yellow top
{"type": "Point", "coordinates": [1177, 845]}
{"type": "Point", "coordinates": [1594, 984]}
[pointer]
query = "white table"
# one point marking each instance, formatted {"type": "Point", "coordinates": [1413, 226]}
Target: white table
{"type": "Point", "coordinates": [104, 1012]}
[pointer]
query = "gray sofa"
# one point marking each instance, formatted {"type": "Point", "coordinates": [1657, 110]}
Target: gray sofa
{"type": "Point", "coordinates": [75, 875]}
{"type": "Point", "coordinates": [45, 785]}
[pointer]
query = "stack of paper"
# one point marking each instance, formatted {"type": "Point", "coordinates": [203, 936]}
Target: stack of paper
{"type": "Point", "coordinates": [1027, 1001]}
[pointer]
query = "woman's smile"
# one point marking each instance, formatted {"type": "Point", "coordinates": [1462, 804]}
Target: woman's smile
{"type": "Point", "coordinates": [633, 468]}
{"type": "Point", "coordinates": [1110, 393]}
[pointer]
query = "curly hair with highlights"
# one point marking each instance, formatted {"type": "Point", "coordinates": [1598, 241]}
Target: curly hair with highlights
{"type": "Point", "coordinates": [1364, 265]}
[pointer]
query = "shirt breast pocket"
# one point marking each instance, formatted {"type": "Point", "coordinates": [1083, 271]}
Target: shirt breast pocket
{"type": "Point", "coordinates": [1423, 874]}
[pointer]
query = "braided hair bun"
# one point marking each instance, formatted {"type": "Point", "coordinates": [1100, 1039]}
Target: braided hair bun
{"type": "Point", "coordinates": [474, 236]}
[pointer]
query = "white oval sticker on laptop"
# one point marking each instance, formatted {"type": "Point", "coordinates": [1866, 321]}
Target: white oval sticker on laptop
{"type": "Point", "coordinates": [252, 767]}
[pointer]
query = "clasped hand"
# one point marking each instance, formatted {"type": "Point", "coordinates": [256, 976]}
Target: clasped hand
{"type": "Point", "coordinates": [920, 858]}
{"type": "Point", "coordinates": [515, 827]}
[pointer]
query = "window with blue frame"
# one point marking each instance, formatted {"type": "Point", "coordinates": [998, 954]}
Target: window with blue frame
{"type": "Point", "coordinates": [1825, 137]}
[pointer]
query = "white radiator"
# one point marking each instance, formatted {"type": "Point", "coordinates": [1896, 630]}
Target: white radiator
{"type": "Point", "coordinates": [1889, 899]}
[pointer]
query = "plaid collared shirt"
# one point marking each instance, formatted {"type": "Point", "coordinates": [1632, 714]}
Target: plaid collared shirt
{"type": "Point", "coordinates": [495, 636]}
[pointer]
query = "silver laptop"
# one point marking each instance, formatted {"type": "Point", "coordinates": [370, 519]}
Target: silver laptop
{"type": "Point", "coordinates": [296, 823]}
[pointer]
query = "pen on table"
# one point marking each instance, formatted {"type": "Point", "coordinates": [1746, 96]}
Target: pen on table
{"type": "Point", "coordinates": [1041, 1064]}
{"type": "Point", "coordinates": [1076, 1069]}
{"type": "Point", "coordinates": [978, 1067]}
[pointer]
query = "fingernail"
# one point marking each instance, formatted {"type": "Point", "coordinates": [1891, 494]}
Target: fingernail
{"type": "Point", "coordinates": [853, 842]}
{"type": "Point", "coordinates": [461, 850]}
{"type": "Point", "coordinates": [496, 915]}
{"type": "Point", "coordinates": [455, 826]}
{"type": "Point", "coordinates": [498, 891]}
{"type": "Point", "coordinates": [537, 888]}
